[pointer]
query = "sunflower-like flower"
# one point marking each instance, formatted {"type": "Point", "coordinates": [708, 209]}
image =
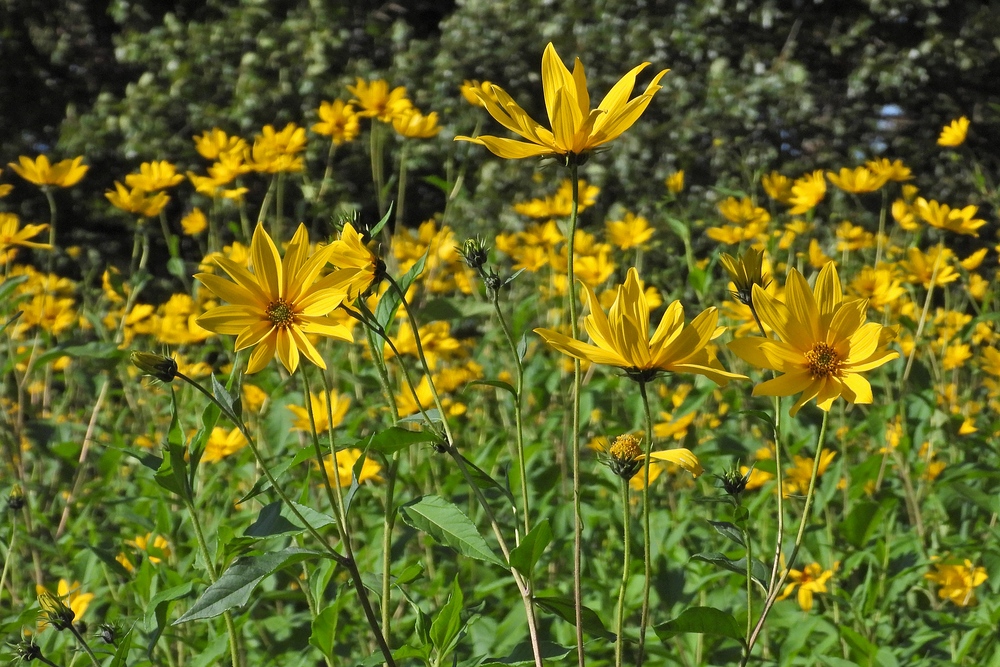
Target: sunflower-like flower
{"type": "Point", "coordinates": [576, 128]}
{"type": "Point", "coordinates": [338, 120]}
{"type": "Point", "coordinates": [621, 337]}
{"type": "Point", "coordinates": [40, 171]}
{"type": "Point", "coordinates": [953, 134]}
{"type": "Point", "coordinates": [279, 303]}
{"type": "Point", "coordinates": [825, 343]}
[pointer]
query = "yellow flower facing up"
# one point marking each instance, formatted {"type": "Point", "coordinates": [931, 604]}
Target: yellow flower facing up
{"type": "Point", "coordinates": [675, 182]}
{"type": "Point", "coordinates": [576, 128]}
{"type": "Point", "coordinates": [154, 176]}
{"type": "Point", "coordinates": [942, 216]}
{"type": "Point", "coordinates": [194, 222]}
{"type": "Point", "coordinates": [956, 582]}
{"type": "Point", "coordinates": [621, 337]}
{"type": "Point", "coordinates": [376, 100]}
{"type": "Point", "coordinates": [339, 121]}
{"type": "Point", "coordinates": [274, 307]}
{"type": "Point", "coordinates": [778, 187]}
{"type": "Point", "coordinates": [12, 234]}
{"type": "Point", "coordinates": [278, 151]}
{"type": "Point", "coordinates": [810, 580]}
{"type": "Point", "coordinates": [953, 134]}
{"type": "Point", "coordinates": [137, 200]}
{"type": "Point", "coordinates": [414, 125]}
{"type": "Point", "coordinates": [743, 212]}
{"type": "Point", "coordinates": [858, 180]}
{"type": "Point", "coordinates": [824, 343]}
{"type": "Point", "coordinates": [632, 231]}
{"type": "Point", "coordinates": [890, 171]}
{"type": "Point", "coordinates": [214, 143]}
{"type": "Point", "coordinates": [806, 192]}
{"type": "Point", "coordinates": [40, 171]}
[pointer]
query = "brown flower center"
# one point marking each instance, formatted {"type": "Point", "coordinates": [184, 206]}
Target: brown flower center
{"type": "Point", "coordinates": [823, 360]}
{"type": "Point", "coordinates": [280, 313]}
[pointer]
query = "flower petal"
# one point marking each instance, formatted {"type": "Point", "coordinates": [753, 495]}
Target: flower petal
{"type": "Point", "coordinates": [680, 456]}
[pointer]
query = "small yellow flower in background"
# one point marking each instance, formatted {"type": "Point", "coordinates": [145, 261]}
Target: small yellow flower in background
{"type": "Point", "coordinates": [137, 200]}
{"type": "Point", "coordinates": [67, 597]}
{"type": "Point", "coordinates": [278, 151]}
{"type": "Point", "coordinates": [560, 203]}
{"type": "Point", "coordinates": [339, 121]}
{"type": "Point", "coordinates": [40, 171]}
{"type": "Point", "coordinates": [632, 231]}
{"type": "Point", "coordinates": [797, 476]}
{"type": "Point", "coordinates": [414, 125]}
{"type": "Point", "coordinates": [154, 176]}
{"type": "Point", "coordinates": [919, 267]}
{"type": "Point", "coordinates": [194, 222]}
{"type": "Point", "coordinates": [576, 128]}
{"type": "Point", "coordinates": [817, 257]}
{"type": "Point", "coordinates": [810, 580]}
{"type": "Point", "coordinates": [5, 188]}
{"type": "Point", "coordinates": [824, 343]}
{"type": "Point", "coordinates": [321, 404]}
{"type": "Point", "coordinates": [675, 182]}
{"type": "Point", "coordinates": [957, 582]}
{"type": "Point", "coordinates": [807, 191]}
{"type": "Point", "coordinates": [905, 215]}
{"type": "Point", "coordinates": [343, 469]}
{"type": "Point", "coordinates": [975, 260]}
{"type": "Point", "coordinates": [376, 101]}
{"type": "Point", "coordinates": [851, 237]}
{"type": "Point", "coordinates": [743, 212]}
{"type": "Point", "coordinates": [778, 187]}
{"type": "Point", "coordinates": [214, 143]}
{"type": "Point", "coordinates": [12, 234]}
{"type": "Point", "coordinates": [153, 547]}
{"type": "Point", "coordinates": [858, 180]}
{"type": "Point", "coordinates": [223, 443]}
{"type": "Point", "coordinates": [279, 303]}
{"type": "Point", "coordinates": [953, 134]}
{"type": "Point", "coordinates": [469, 91]}
{"type": "Point", "coordinates": [621, 337]}
{"type": "Point", "coordinates": [942, 216]}
{"type": "Point", "coordinates": [890, 171]}
{"type": "Point", "coordinates": [253, 398]}
{"type": "Point", "coordinates": [880, 286]}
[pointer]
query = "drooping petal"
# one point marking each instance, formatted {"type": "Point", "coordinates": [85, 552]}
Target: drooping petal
{"type": "Point", "coordinates": [680, 456]}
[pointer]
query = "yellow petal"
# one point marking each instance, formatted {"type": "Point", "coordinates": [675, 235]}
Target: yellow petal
{"type": "Point", "coordinates": [682, 457]}
{"type": "Point", "coordinates": [575, 348]}
{"type": "Point", "coordinates": [229, 291]}
{"type": "Point", "coordinates": [511, 149]}
{"type": "Point", "coordinates": [261, 355]}
{"type": "Point", "coordinates": [228, 320]}
{"type": "Point", "coordinates": [266, 263]}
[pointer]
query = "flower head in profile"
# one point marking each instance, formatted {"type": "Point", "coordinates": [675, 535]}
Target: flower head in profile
{"type": "Point", "coordinates": [824, 342]}
{"type": "Point", "coordinates": [745, 272]}
{"type": "Point", "coordinates": [806, 192]}
{"type": "Point", "coordinates": [632, 231]}
{"type": "Point", "coordinates": [953, 134]}
{"type": "Point", "coordinates": [66, 605]}
{"type": "Point", "coordinates": [576, 128]}
{"type": "Point", "coordinates": [942, 216]}
{"type": "Point", "coordinates": [137, 200]}
{"type": "Point", "coordinates": [957, 581]}
{"type": "Point", "coordinates": [277, 151]}
{"type": "Point", "coordinates": [154, 176]}
{"type": "Point", "coordinates": [214, 143]}
{"type": "Point", "coordinates": [858, 180]}
{"type": "Point", "coordinates": [274, 307]}
{"type": "Point", "coordinates": [472, 89]}
{"type": "Point", "coordinates": [675, 182]}
{"type": "Point", "coordinates": [338, 120]}
{"type": "Point", "coordinates": [414, 125]}
{"type": "Point", "coordinates": [341, 469]}
{"type": "Point", "coordinates": [351, 254]}
{"type": "Point", "coordinates": [621, 337]}
{"type": "Point", "coordinates": [40, 171]}
{"type": "Point", "coordinates": [13, 234]}
{"type": "Point", "coordinates": [377, 101]}
{"type": "Point", "coordinates": [809, 580]}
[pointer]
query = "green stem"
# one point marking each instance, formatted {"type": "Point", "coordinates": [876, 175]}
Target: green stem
{"type": "Point", "coordinates": [266, 204]}
{"type": "Point", "coordinates": [626, 567]}
{"type": "Point", "coordinates": [880, 241]}
{"type": "Point", "coordinates": [86, 647]}
{"type": "Point", "coordinates": [810, 494]}
{"type": "Point", "coordinates": [401, 186]}
{"type": "Point", "coordinates": [314, 436]}
{"type": "Point", "coordinates": [923, 314]}
{"type": "Point", "coordinates": [575, 417]}
{"type": "Point", "coordinates": [327, 172]}
{"type": "Point", "coordinates": [378, 168]}
{"type": "Point", "coordinates": [10, 552]}
{"type": "Point", "coordinates": [646, 533]}
{"type": "Point", "coordinates": [52, 224]}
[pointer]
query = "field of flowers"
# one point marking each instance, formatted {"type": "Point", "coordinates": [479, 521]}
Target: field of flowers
{"type": "Point", "coordinates": [756, 427]}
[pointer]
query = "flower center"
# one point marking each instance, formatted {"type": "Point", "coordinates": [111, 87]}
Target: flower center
{"type": "Point", "coordinates": [823, 360]}
{"type": "Point", "coordinates": [626, 448]}
{"type": "Point", "coordinates": [280, 313]}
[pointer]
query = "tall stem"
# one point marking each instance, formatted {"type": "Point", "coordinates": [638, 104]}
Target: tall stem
{"type": "Point", "coordinates": [646, 533]}
{"type": "Point", "coordinates": [575, 417]}
{"type": "Point", "coordinates": [47, 189]}
{"type": "Point", "coordinates": [626, 567]}
{"type": "Point", "coordinates": [401, 186]}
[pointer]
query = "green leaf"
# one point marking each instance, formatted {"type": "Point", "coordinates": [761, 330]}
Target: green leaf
{"type": "Point", "coordinates": [524, 556]}
{"type": "Point", "coordinates": [987, 503]}
{"type": "Point", "coordinates": [701, 620]}
{"type": "Point", "coordinates": [499, 384]}
{"type": "Point", "coordinates": [523, 654]}
{"type": "Point", "coordinates": [234, 587]}
{"type": "Point", "coordinates": [387, 306]}
{"type": "Point", "coordinates": [759, 572]}
{"type": "Point", "coordinates": [483, 480]}
{"type": "Point", "coordinates": [270, 522]}
{"type": "Point", "coordinates": [382, 223]}
{"type": "Point", "coordinates": [447, 623]}
{"type": "Point", "coordinates": [121, 653]}
{"type": "Point", "coordinates": [564, 608]}
{"type": "Point", "coordinates": [859, 525]}
{"type": "Point", "coordinates": [175, 266]}
{"type": "Point", "coordinates": [324, 628]}
{"type": "Point", "coordinates": [729, 530]}
{"type": "Point", "coordinates": [447, 524]}
{"type": "Point", "coordinates": [231, 400]}
{"type": "Point", "coordinates": [395, 438]}
{"type": "Point", "coordinates": [156, 612]}
{"type": "Point", "coordinates": [261, 485]}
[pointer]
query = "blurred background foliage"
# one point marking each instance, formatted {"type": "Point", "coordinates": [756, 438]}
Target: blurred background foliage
{"type": "Point", "coordinates": [754, 86]}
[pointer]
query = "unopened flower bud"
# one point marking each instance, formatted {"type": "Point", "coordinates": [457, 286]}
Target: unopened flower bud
{"type": "Point", "coordinates": [156, 365]}
{"type": "Point", "coordinates": [15, 500]}
{"type": "Point", "coordinates": [56, 613]}
{"type": "Point", "coordinates": [746, 272]}
{"type": "Point", "coordinates": [475, 252]}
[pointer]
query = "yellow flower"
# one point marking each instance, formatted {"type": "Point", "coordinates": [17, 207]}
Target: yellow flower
{"type": "Point", "coordinates": [350, 253]}
{"type": "Point", "coordinates": [942, 216]}
{"type": "Point", "coordinates": [154, 176]}
{"type": "Point", "coordinates": [824, 343]}
{"type": "Point", "coordinates": [631, 231]}
{"type": "Point", "coordinates": [778, 187]}
{"type": "Point", "coordinates": [68, 595]}
{"type": "Point", "coordinates": [936, 263]}
{"type": "Point", "coordinates": [743, 212]}
{"type": "Point", "coordinates": [342, 471]}
{"type": "Point", "coordinates": [904, 215]}
{"type": "Point", "coordinates": [675, 182]}
{"type": "Point", "coordinates": [576, 128]}
{"type": "Point", "coordinates": [879, 286]}
{"type": "Point", "coordinates": [11, 235]}
{"type": "Point", "coordinates": [810, 580]}
{"type": "Point", "coordinates": [414, 125]}
{"type": "Point", "coordinates": [851, 237]}
{"type": "Point", "coordinates": [279, 303]}
{"type": "Point", "coordinates": [212, 144]}
{"type": "Point", "coordinates": [321, 404]}
{"type": "Point", "coordinates": [858, 180]}
{"type": "Point", "coordinates": [890, 171]}
{"type": "Point", "coordinates": [275, 152]}
{"type": "Point", "coordinates": [957, 582]}
{"type": "Point", "coordinates": [376, 101]}
{"type": "Point", "coordinates": [469, 91]}
{"type": "Point", "coordinates": [223, 443]}
{"type": "Point", "coordinates": [154, 548]}
{"type": "Point", "coordinates": [39, 171]}
{"type": "Point", "coordinates": [680, 456]}
{"type": "Point", "coordinates": [953, 134]}
{"type": "Point", "coordinates": [622, 337]}
{"type": "Point", "coordinates": [797, 476]}
{"type": "Point", "coordinates": [137, 200]}
{"type": "Point", "coordinates": [807, 191]}
{"type": "Point", "coordinates": [194, 222]}
{"type": "Point", "coordinates": [338, 121]}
